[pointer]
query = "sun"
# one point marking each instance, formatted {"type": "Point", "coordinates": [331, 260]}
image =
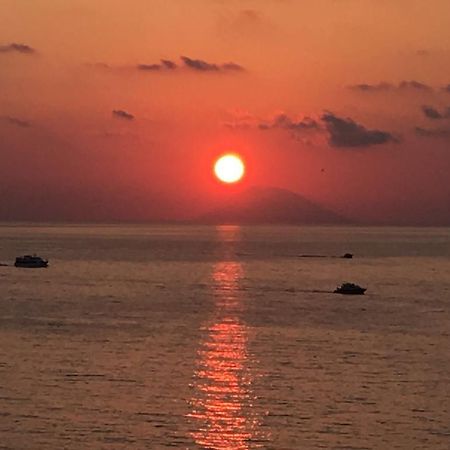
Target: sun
{"type": "Point", "coordinates": [229, 168]}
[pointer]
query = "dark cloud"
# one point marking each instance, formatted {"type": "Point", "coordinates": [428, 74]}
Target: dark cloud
{"type": "Point", "coordinates": [168, 64]}
{"type": "Point", "coordinates": [411, 85]}
{"type": "Point", "coordinates": [433, 113]}
{"type": "Point", "coordinates": [198, 64]}
{"type": "Point", "coordinates": [443, 133]}
{"type": "Point", "coordinates": [17, 122]}
{"type": "Point", "coordinates": [345, 132]}
{"type": "Point", "coordinates": [121, 114]}
{"type": "Point", "coordinates": [17, 48]}
{"type": "Point", "coordinates": [342, 132]}
{"type": "Point", "coordinates": [203, 66]}
{"type": "Point", "coordinates": [152, 67]}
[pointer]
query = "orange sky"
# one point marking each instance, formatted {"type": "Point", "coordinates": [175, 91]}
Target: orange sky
{"type": "Point", "coordinates": [325, 98]}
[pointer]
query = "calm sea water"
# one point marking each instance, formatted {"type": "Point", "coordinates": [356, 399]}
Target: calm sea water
{"type": "Point", "coordinates": [221, 338]}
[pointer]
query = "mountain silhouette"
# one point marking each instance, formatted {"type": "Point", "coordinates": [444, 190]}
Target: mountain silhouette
{"type": "Point", "coordinates": [267, 205]}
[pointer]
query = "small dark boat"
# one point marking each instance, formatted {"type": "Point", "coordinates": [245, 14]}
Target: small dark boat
{"type": "Point", "coordinates": [350, 289]}
{"type": "Point", "coordinates": [347, 256]}
{"type": "Point", "coordinates": [30, 262]}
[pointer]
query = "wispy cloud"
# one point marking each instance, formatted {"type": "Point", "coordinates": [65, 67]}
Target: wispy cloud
{"type": "Point", "coordinates": [364, 87]}
{"type": "Point", "coordinates": [423, 52]}
{"type": "Point", "coordinates": [442, 133]}
{"type": "Point", "coordinates": [98, 65]}
{"type": "Point", "coordinates": [414, 85]}
{"type": "Point", "coordinates": [121, 114]}
{"type": "Point", "coordinates": [232, 66]}
{"type": "Point", "coordinates": [403, 86]}
{"type": "Point", "coordinates": [16, 121]}
{"type": "Point", "coordinates": [17, 48]}
{"type": "Point", "coordinates": [149, 67]}
{"type": "Point", "coordinates": [283, 121]}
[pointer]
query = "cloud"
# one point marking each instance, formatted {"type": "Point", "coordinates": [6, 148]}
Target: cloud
{"type": "Point", "coordinates": [340, 132]}
{"type": "Point", "coordinates": [415, 85]}
{"type": "Point", "coordinates": [17, 48]}
{"type": "Point", "coordinates": [17, 122]}
{"type": "Point", "coordinates": [411, 85]}
{"type": "Point", "coordinates": [232, 66]}
{"type": "Point", "coordinates": [283, 121]}
{"type": "Point", "coordinates": [443, 133]}
{"type": "Point", "coordinates": [345, 132]}
{"type": "Point", "coordinates": [383, 86]}
{"type": "Point", "coordinates": [203, 66]}
{"type": "Point", "coordinates": [121, 114]}
{"type": "Point", "coordinates": [246, 120]}
{"type": "Point", "coordinates": [149, 67]}
{"type": "Point", "coordinates": [168, 64]}
{"type": "Point", "coordinates": [239, 119]}
{"type": "Point", "coordinates": [433, 113]}
{"type": "Point", "coordinates": [447, 88]}
{"type": "Point", "coordinates": [198, 64]}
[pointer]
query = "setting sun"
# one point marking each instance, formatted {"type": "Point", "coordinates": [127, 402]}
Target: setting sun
{"type": "Point", "coordinates": [229, 168]}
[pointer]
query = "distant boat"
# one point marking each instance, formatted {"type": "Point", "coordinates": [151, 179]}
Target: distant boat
{"type": "Point", "coordinates": [30, 261]}
{"type": "Point", "coordinates": [347, 255]}
{"type": "Point", "coordinates": [350, 289]}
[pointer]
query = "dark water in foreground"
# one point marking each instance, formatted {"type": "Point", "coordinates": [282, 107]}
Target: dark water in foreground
{"type": "Point", "coordinates": [223, 338]}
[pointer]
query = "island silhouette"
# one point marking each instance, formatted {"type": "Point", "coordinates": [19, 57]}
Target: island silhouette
{"type": "Point", "coordinates": [269, 205]}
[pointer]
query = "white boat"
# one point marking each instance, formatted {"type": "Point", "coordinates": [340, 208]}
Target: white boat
{"type": "Point", "coordinates": [350, 289]}
{"type": "Point", "coordinates": [30, 261]}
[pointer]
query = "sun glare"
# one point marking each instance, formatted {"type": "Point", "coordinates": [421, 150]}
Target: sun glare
{"type": "Point", "coordinates": [229, 168]}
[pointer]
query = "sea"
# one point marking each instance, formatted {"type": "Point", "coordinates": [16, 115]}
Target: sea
{"type": "Point", "coordinates": [224, 338]}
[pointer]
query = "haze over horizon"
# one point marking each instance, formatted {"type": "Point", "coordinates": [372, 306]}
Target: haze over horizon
{"type": "Point", "coordinates": [113, 110]}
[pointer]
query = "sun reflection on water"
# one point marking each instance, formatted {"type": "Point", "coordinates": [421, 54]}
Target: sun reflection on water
{"type": "Point", "coordinates": [222, 409]}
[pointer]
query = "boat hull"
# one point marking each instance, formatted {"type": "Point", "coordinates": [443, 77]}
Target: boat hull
{"type": "Point", "coordinates": [31, 265]}
{"type": "Point", "coordinates": [354, 292]}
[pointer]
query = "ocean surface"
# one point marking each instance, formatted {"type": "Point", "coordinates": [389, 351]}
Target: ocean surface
{"type": "Point", "coordinates": [153, 337]}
